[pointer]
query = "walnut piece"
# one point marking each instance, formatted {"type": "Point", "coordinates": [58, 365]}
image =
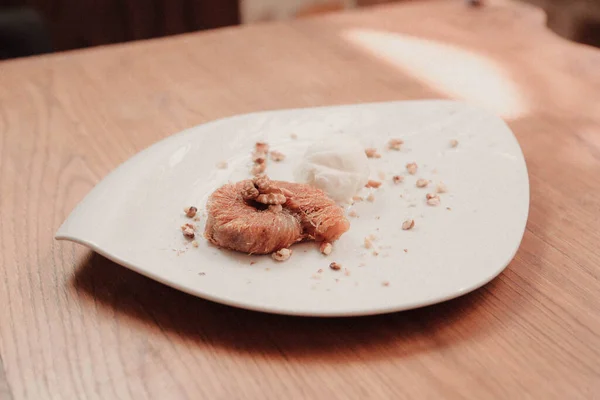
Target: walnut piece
{"type": "Point", "coordinates": [190, 212]}
{"type": "Point", "coordinates": [441, 188]}
{"type": "Point", "coordinates": [282, 254]}
{"type": "Point", "coordinates": [453, 143]}
{"type": "Point", "coordinates": [271, 198]}
{"type": "Point", "coordinates": [261, 147]}
{"type": "Point", "coordinates": [421, 183]}
{"type": "Point", "coordinates": [277, 156]}
{"type": "Point", "coordinates": [433, 199]}
{"type": "Point", "coordinates": [395, 144]}
{"type": "Point", "coordinates": [371, 198]}
{"type": "Point", "coordinates": [373, 184]}
{"type": "Point", "coordinates": [249, 192]}
{"type": "Point", "coordinates": [398, 179]}
{"type": "Point", "coordinates": [371, 152]}
{"type": "Point", "coordinates": [412, 168]}
{"type": "Point", "coordinates": [408, 224]}
{"type": "Point", "coordinates": [326, 248]}
{"type": "Point", "coordinates": [335, 266]}
{"type": "Point", "coordinates": [258, 169]}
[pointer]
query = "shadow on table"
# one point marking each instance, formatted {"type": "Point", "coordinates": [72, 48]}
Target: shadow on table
{"type": "Point", "coordinates": [127, 294]}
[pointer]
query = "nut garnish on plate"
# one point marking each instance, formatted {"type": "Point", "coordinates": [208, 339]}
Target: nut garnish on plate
{"type": "Point", "coordinates": [412, 168]}
{"type": "Point", "coordinates": [282, 254]}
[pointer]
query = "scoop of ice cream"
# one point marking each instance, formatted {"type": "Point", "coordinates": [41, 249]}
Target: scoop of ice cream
{"type": "Point", "coordinates": [337, 165]}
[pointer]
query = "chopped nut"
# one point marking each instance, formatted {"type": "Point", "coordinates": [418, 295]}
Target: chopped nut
{"type": "Point", "coordinates": [190, 212]}
{"type": "Point", "coordinates": [195, 243]}
{"type": "Point", "coordinates": [395, 144]}
{"type": "Point", "coordinates": [406, 250]}
{"type": "Point", "coordinates": [277, 156]}
{"type": "Point", "coordinates": [453, 143]}
{"type": "Point", "coordinates": [385, 283]}
{"type": "Point", "coordinates": [222, 164]}
{"type": "Point", "coordinates": [282, 254]}
{"type": "Point", "coordinates": [357, 198]}
{"type": "Point", "coordinates": [189, 233]}
{"type": "Point", "coordinates": [373, 184]}
{"type": "Point", "coordinates": [271, 198]}
{"type": "Point", "coordinates": [441, 188]}
{"type": "Point", "coordinates": [412, 168]}
{"type": "Point", "coordinates": [276, 208]}
{"type": "Point", "coordinates": [371, 198]}
{"type": "Point", "coordinates": [250, 192]}
{"type": "Point", "coordinates": [372, 153]}
{"type": "Point", "coordinates": [293, 136]}
{"type": "Point", "coordinates": [398, 179]}
{"type": "Point", "coordinates": [381, 175]}
{"type": "Point", "coordinates": [368, 243]}
{"type": "Point", "coordinates": [375, 253]}
{"type": "Point", "coordinates": [335, 266]}
{"type": "Point", "coordinates": [433, 199]}
{"type": "Point", "coordinates": [408, 224]}
{"type": "Point", "coordinates": [261, 147]}
{"type": "Point", "coordinates": [188, 226]}
{"type": "Point", "coordinates": [352, 213]}
{"type": "Point", "coordinates": [326, 248]}
{"type": "Point", "coordinates": [259, 158]}
{"type": "Point", "coordinates": [421, 183]}
{"type": "Point", "coordinates": [448, 208]}
{"type": "Point", "coordinates": [258, 169]}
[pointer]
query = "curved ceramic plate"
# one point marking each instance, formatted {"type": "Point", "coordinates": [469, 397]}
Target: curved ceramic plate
{"type": "Point", "coordinates": [133, 216]}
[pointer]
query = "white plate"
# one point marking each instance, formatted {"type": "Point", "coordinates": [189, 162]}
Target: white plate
{"type": "Point", "coordinates": [133, 216]}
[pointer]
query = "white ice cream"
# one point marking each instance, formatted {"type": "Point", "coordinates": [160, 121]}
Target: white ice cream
{"type": "Point", "coordinates": [337, 165]}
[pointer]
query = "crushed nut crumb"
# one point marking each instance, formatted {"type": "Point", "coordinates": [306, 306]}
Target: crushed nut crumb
{"type": "Point", "coordinates": [222, 165]}
{"type": "Point", "coordinates": [201, 273]}
{"type": "Point", "coordinates": [421, 183]}
{"type": "Point", "coordinates": [408, 224]}
{"type": "Point", "coordinates": [189, 233]}
{"type": "Point", "coordinates": [293, 136]}
{"type": "Point", "coordinates": [195, 243]}
{"type": "Point", "coordinates": [320, 271]}
{"type": "Point", "coordinates": [441, 188]}
{"type": "Point", "coordinates": [448, 208]}
{"type": "Point", "coordinates": [335, 266]}
{"type": "Point", "coordinates": [433, 199]}
{"type": "Point", "coordinates": [277, 156]}
{"type": "Point", "coordinates": [357, 198]}
{"type": "Point", "coordinates": [352, 214]}
{"type": "Point", "coordinates": [453, 143]}
{"type": "Point", "coordinates": [368, 243]}
{"type": "Point", "coordinates": [197, 218]}
{"type": "Point", "coordinates": [188, 226]}
{"type": "Point", "coordinates": [395, 144]}
{"type": "Point", "coordinates": [373, 184]}
{"type": "Point", "coordinates": [326, 248]}
{"type": "Point", "coordinates": [261, 147]}
{"type": "Point", "coordinates": [381, 175]}
{"type": "Point", "coordinates": [282, 254]}
{"type": "Point", "coordinates": [375, 253]}
{"type": "Point", "coordinates": [190, 211]}
{"type": "Point", "coordinates": [271, 198]}
{"type": "Point", "coordinates": [371, 198]}
{"type": "Point", "coordinates": [406, 250]}
{"type": "Point", "coordinates": [276, 208]}
{"type": "Point", "coordinates": [371, 152]}
{"type": "Point", "coordinates": [398, 179]}
{"type": "Point", "coordinates": [385, 283]}
{"type": "Point", "coordinates": [258, 169]}
{"type": "Point", "coordinates": [412, 168]}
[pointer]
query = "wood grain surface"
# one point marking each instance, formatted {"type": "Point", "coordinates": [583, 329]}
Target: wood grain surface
{"type": "Point", "coordinates": [74, 325]}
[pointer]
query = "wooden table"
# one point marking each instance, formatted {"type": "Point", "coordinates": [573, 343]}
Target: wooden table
{"type": "Point", "coordinates": [74, 325]}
